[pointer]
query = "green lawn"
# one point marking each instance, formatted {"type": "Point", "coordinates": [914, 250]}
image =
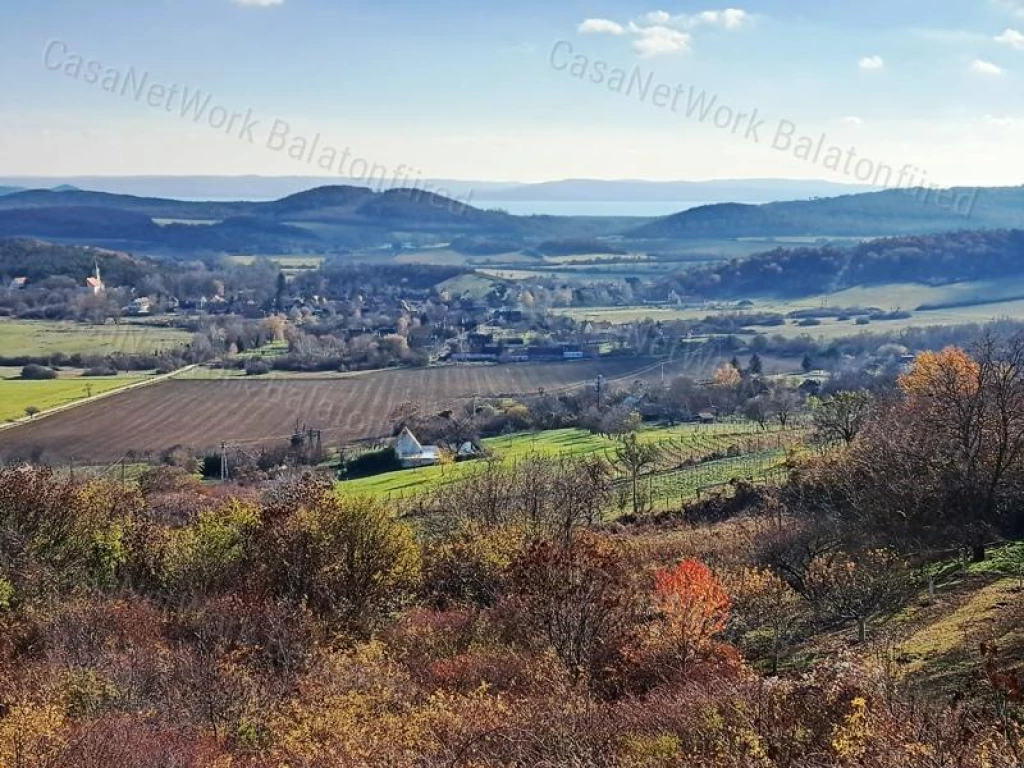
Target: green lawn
{"type": "Point", "coordinates": [17, 395]}
{"type": "Point", "coordinates": [39, 338]}
{"type": "Point", "coordinates": [757, 451]}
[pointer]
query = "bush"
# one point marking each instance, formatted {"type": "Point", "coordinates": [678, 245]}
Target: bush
{"type": "Point", "coordinates": [212, 553]}
{"type": "Point", "coordinates": [257, 368]}
{"type": "Point", "coordinates": [372, 463]}
{"type": "Point", "coordinates": [33, 372]}
{"type": "Point", "coordinates": [344, 558]}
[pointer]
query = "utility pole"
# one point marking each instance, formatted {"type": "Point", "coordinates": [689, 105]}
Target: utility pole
{"type": "Point", "coordinates": [223, 462]}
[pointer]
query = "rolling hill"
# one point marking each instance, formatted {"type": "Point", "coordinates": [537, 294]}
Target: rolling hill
{"type": "Point", "coordinates": [340, 218]}
{"type": "Point", "coordinates": [873, 214]}
{"type": "Point", "coordinates": [937, 259]}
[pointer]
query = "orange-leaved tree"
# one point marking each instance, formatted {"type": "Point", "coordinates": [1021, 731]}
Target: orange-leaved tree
{"type": "Point", "coordinates": [968, 413]}
{"type": "Point", "coordinates": [692, 609]}
{"type": "Point", "coordinates": [949, 374]}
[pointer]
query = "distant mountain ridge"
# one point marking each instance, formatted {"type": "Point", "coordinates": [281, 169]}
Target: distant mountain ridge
{"type": "Point", "coordinates": [263, 188]}
{"type": "Point", "coordinates": [339, 218]}
{"type": "Point", "coordinates": [874, 214]}
{"type": "Point", "coordinates": [323, 218]}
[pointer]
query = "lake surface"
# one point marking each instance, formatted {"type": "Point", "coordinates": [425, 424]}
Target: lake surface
{"type": "Point", "coordinates": [590, 208]}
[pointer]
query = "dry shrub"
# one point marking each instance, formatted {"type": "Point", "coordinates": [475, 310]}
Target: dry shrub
{"type": "Point", "coordinates": [422, 635]}
{"type": "Point", "coordinates": [270, 634]}
{"type": "Point", "coordinates": [499, 670]}
{"type": "Point", "coordinates": [121, 741]}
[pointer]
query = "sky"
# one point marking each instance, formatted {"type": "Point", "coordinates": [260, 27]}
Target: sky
{"type": "Point", "coordinates": [531, 90]}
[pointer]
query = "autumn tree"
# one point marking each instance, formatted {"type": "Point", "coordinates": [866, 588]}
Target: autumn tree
{"type": "Point", "coordinates": [944, 463]}
{"type": "Point", "coordinates": [728, 376]}
{"type": "Point", "coordinates": [972, 406]}
{"type": "Point", "coordinates": [345, 558]}
{"type": "Point", "coordinates": [57, 534]}
{"type": "Point", "coordinates": [691, 609]}
{"type": "Point", "coordinates": [578, 597]}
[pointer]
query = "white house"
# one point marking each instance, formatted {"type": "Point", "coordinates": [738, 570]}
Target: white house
{"type": "Point", "coordinates": [143, 305]}
{"type": "Point", "coordinates": [411, 453]}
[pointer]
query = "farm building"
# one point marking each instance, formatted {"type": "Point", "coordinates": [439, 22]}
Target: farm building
{"type": "Point", "coordinates": [411, 453]}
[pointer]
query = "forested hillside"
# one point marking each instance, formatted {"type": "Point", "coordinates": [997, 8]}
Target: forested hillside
{"type": "Point", "coordinates": [933, 259]}
{"type": "Point", "coordinates": [892, 212]}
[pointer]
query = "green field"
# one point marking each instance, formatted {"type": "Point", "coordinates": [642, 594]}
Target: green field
{"type": "Point", "coordinates": [40, 338]}
{"type": "Point", "coordinates": [17, 395]}
{"type": "Point", "coordinates": [757, 452]}
{"type": "Point", "coordinates": [288, 264]}
{"type": "Point", "coordinates": [982, 301]}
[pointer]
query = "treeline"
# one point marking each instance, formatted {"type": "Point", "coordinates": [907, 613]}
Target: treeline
{"type": "Point", "coordinates": [374, 282]}
{"type": "Point", "coordinates": [931, 259]}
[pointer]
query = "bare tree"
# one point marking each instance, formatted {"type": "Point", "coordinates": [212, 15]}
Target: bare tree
{"type": "Point", "coordinates": [840, 418]}
{"type": "Point", "coordinates": [858, 588]}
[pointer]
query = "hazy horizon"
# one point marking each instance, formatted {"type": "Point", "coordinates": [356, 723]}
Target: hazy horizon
{"type": "Point", "coordinates": [611, 90]}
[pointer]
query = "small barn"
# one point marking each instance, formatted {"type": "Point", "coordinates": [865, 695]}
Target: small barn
{"type": "Point", "coordinates": [411, 453]}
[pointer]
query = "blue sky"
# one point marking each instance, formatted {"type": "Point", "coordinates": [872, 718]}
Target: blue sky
{"type": "Point", "coordinates": [455, 89]}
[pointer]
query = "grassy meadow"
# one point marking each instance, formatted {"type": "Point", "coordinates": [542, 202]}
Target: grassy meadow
{"type": "Point", "coordinates": [693, 458]}
{"type": "Point", "coordinates": [16, 395]}
{"type": "Point", "coordinates": [954, 304]}
{"type": "Point", "coordinates": [40, 338]}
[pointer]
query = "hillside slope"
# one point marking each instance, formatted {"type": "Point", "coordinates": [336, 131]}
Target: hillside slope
{"type": "Point", "coordinates": [930, 259]}
{"type": "Point", "coordinates": [875, 214]}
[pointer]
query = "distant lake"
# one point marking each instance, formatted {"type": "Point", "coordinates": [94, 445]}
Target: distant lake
{"type": "Point", "coordinates": [585, 208]}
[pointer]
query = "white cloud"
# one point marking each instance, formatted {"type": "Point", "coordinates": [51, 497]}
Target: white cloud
{"type": "Point", "coordinates": [601, 26]}
{"type": "Point", "coordinates": [658, 17]}
{"type": "Point", "coordinates": [659, 41]}
{"type": "Point", "coordinates": [659, 33]}
{"type": "Point", "coordinates": [1012, 38]}
{"type": "Point", "coordinates": [257, 3]}
{"type": "Point", "coordinates": [730, 18]}
{"type": "Point", "coordinates": [981, 67]}
{"type": "Point", "coordinates": [851, 120]}
{"type": "Point", "coordinates": [727, 18]}
{"type": "Point", "coordinates": [872, 63]}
